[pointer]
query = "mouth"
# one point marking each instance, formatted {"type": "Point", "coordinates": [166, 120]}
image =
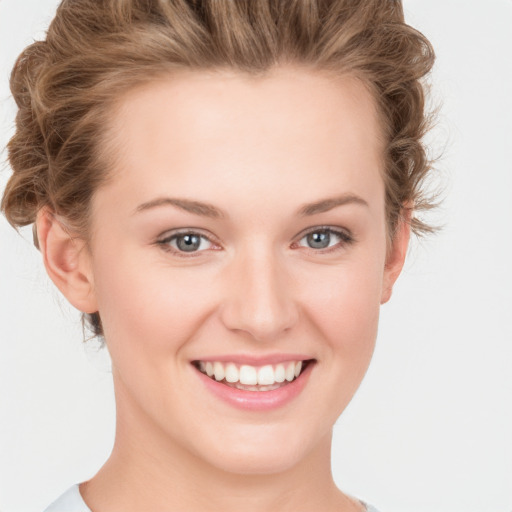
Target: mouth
{"type": "Point", "coordinates": [247, 377]}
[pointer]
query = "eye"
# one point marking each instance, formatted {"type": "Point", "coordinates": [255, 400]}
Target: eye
{"type": "Point", "coordinates": [186, 242]}
{"type": "Point", "coordinates": [190, 243]}
{"type": "Point", "coordinates": [326, 238]}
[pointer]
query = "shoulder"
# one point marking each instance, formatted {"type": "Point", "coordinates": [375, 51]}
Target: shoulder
{"type": "Point", "coordinates": [70, 501]}
{"type": "Point", "coordinates": [370, 508]}
{"type": "Point", "coordinates": [367, 507]}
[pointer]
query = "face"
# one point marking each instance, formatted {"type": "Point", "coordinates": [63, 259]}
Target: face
{"type": "Point", "coordinates": [244, 225]}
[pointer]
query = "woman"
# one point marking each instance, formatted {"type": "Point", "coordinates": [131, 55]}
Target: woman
{"type": "Point", "coordinates": [226, 191]}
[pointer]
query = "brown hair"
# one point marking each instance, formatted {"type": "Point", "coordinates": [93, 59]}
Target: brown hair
{"type": "Point", "coordinates": [95, 50]}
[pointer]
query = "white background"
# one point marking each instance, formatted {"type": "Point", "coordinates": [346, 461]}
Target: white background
{"type": "Point", "coordinates": [430, 429]}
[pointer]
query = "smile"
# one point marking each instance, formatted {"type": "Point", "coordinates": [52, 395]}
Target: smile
{"type": "Point", "coordinates": [252, 378]}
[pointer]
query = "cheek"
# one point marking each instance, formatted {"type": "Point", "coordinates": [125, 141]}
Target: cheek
{"type": "Point", "coordinates": [146, 304]}
{"type": "Point", "coordinates": [345, 307]}
{"type": "Point", "coordinates": [347, 300]}
{"type": "Point", "coordinates": [150, 312]}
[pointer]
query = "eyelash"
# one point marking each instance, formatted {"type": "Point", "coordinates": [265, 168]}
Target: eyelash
{"type": "Point", "coordinates": [345, 240]}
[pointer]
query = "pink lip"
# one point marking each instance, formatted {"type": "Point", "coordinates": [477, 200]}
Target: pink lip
{"type": "Point", "coordinates": [253, 360]}
{"type": "Point", "coordinates": [257, 400]}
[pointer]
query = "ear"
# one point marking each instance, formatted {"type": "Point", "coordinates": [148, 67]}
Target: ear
{"type": "Point", "coordinates": [396, 255]}
{"type": "Point", "coordinates": [67, 261]}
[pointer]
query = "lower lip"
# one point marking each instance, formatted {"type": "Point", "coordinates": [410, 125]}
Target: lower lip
{"type": "Point", "coordinates": [257, 400]}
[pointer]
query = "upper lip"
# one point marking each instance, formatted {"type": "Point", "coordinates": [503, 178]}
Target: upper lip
{"type": "Point", "coordinates": [255, 360]}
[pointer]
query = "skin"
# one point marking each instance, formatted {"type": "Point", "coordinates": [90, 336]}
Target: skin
{"type": "Point", "coordinates": [259, 149]}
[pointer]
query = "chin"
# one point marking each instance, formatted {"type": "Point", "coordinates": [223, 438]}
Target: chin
{"type": "Point", "coordinates": [258, 463]}
{"type": "Point", "coordinates": [270, 450]}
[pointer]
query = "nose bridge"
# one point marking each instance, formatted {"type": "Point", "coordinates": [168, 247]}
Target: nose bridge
{"type": "Point", "coordinates": [259, 299]}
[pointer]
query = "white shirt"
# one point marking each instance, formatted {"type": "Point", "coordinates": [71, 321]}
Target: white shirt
{"type": "Point", "coordinates": [71, 501]}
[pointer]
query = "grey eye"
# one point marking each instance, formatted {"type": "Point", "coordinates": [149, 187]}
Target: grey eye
{"type": "Point", "coordinates": [324, 238]}
{"type": "Point", "coordinates": [188, 243]}
{"type": "Point", "coordinates": [319, 239]}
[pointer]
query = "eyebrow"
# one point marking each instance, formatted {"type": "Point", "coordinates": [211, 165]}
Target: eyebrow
{"type": "Point", "coordinates": [211, 211]}
{"type": "Point", "coordinates": [328, 204]}
{"type": "Point", "coordinates": [195, 207]}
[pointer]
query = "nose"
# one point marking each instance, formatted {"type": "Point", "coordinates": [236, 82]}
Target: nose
{"type": "Point", "coordinates": [259, 300]}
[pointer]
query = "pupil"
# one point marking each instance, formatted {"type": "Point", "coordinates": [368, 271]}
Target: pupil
{"type": "Point", "coordinates": [188, 243]}
{"type": "Point", "coordinates": [319, 240]}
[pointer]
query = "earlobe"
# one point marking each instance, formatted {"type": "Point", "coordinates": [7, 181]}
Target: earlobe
{"type": "Point", "coordinates": [396, 257]}
{"type": "Point", "coordinates": [66, 261]}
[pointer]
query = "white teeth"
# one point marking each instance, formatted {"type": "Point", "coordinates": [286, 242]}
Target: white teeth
{"type": "Point", "coordinates": [279, 373]}
{"type": "Point", "coordinates": [243, 387]}
{"type": "Point", "coordinates": [248, 375]}
{"type": "Point", "coordinates": [266, 375]}
{"type": "Point", "coordinates": [261, 378]}
{"type": "Point", "coordinates": [290, 371]}
{"type": "Point", "coordinates": [218, 370]}
{"type": "Point", "coordinates": [232, 373]}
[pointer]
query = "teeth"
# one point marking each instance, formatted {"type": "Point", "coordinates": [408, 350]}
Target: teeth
{"type": "Point", "coordinates": [290, 372]}
{"type": "Point", "coordinates": [266, 375]}
{"type": "Point", "coordinates": [248, 375]}
{"type": "Point", "coordinates": [218, 371]}
{"type": "Point", "coordinates": [261, 378]}
{"type": "Point", "coordinates": [237, 385]}
{"type": "Point", "coordinates": [280, 373]}
{"type": "Point", "coordinates": [232, 373]}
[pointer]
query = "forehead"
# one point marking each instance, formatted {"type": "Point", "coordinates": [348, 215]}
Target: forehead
{"type": "Point", "coordinates": [290, 128]}
{"type": "Point", "coordinates": [206, 101]}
